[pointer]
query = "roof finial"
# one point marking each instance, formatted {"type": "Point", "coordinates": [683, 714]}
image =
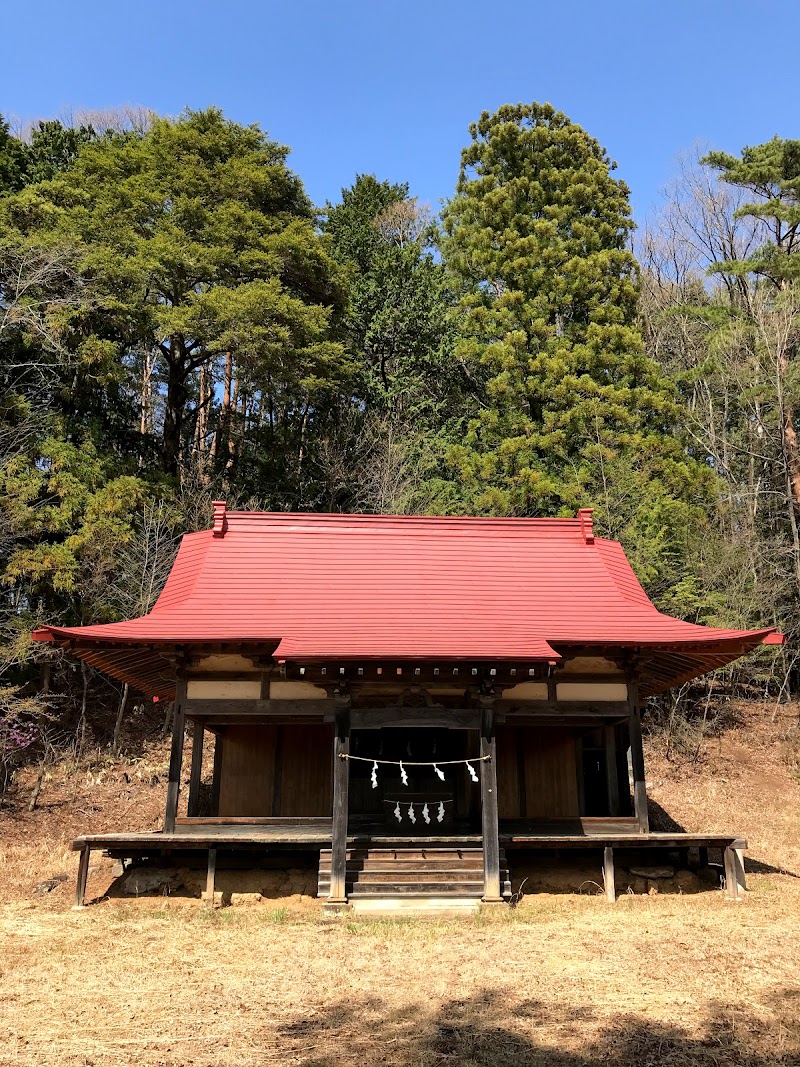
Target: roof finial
{"type": "Point", "coordinates": [220, 517]}
{"type": "Point", "coordinates": [587, 527]}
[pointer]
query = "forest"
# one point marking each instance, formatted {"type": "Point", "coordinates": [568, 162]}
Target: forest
{"type": "Point", "coordinates": [179, 323]}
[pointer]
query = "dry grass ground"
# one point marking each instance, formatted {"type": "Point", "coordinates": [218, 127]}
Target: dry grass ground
{"type": "Point", "coordinates": [563, 980]}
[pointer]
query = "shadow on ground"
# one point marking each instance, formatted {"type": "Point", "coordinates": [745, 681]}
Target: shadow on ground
{"type": "Point", "coordinates": [486, 1031]}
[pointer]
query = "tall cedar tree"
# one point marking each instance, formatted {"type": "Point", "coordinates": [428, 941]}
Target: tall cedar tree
{"type": "Point", "coordinates": [198, 242]}
{"type": "Point", "coordinates": [538, 232]}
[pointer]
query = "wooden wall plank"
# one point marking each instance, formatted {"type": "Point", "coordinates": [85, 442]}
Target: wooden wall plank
{"type": "Point", "coordinates": [248, 769]}
{"type": "Point", "coordinates": [306, 788]}
{"type": "Point", "coordinates": [508, 765]}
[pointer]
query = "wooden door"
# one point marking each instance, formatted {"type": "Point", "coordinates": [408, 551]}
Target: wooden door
{"type": "Point", "coordinates": [537, 774]}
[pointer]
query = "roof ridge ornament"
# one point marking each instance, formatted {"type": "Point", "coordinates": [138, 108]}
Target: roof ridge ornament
{"type": "Point", "coordinates": [220, 517]}
{"type": "Point", "coordinates": [587, 524]}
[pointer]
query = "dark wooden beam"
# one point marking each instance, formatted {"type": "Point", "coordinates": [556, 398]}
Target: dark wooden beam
{"type": "Point", "coordinates": [460, 717]}
{"type": "Point", "coordinates": [196, 772]}
{"type": "Point", "coordinates": [489, 812]}
{"type": "Point", "coordinates": [447, 718]}
{"type": "Point", "coordinates": [223, 708]}
{"type": "Point", "coordinates": [341, 784]}
{"type": "Point", "coordinates": [563, 709]}
{"type": "Point", "coordinates": [176, 755]}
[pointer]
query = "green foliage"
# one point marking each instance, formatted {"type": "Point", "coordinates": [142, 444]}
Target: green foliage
{"type": "Point", "coordinates": [396, 326]}
{"type": "Point", "coordinates": [770, 173]}
{"type": "Point", "coordinates": [51, 148]}
{"type": "Point", "coordinates": [13, 160]}
{"type": "Point", "coordinates": [197, 241]}
{"type": "Point", "coordinates": [537, 233]}
{"type": "Point", "coordinates": [70, 521]}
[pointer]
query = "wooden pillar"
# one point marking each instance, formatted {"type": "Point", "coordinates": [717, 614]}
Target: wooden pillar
{"type": "Point", "coordinates": [341, 783]}
{"type": "Point", "coordinates": [489, 816]}
{"type": "Point", "coordinates": [216, 774]}
{"type": "Point", "coordinates": [637, 756]}
{"type": "Point", "coordinates": [176, 755]}
{"type": "Point", "coordinates": [196, 772]}
{"type": "Point", "coordinates": [83, 873]}
{"type": "Point", "coordinates": [733, 858]}
{"type": "Point", "coordinates": [211, 877]}
{"type": "Point", "coordinates": [608, 874]}
{"type": "Point", "coordinates": [612, 772]}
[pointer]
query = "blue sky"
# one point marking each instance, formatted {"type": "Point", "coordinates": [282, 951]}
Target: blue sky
{"type": "Point", "coordinates": [356, 86]}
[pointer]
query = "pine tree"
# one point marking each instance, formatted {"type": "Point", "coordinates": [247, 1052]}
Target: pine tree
{"type": "Point", "coordinates": [200, 249]}
{"type": "Point", "coordinates": [538, 234]}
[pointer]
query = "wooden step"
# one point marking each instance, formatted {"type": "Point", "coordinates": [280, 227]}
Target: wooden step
{"type": "Point", "coordinates": [413, 873]}
{"type": "Point", "coordinates": [421, 884]}
{"type": "Point", "coordinates": [407, 853]}
{"type": "Point", "coordinates": [473, 890]}
{"type": "Point", "coordinates": [386, 864]}
{"type": "Point", "coordinates": [385, 874]}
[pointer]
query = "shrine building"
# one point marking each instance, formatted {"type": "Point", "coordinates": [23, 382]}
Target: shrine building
{"type": "Point", "coordinates": [413, 699]}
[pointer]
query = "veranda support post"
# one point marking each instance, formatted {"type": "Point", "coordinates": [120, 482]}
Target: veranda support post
{"type": "Point", "coordinates": [637, 756]}
{"type": "Point", "coordinates": [341, 783]}
{"type": "Point", "coordinates": [489, 814]}
{"type": "Point", "coordinates": [608, 874]}
{"type": "Point", "coordinates": [83, 873]}
{"type": "Point", "coordinates": [176, 755]}
{"type": "Point", "coordinates": [733, 863]}
{"type": "Point", "coordinates": [211, 874]}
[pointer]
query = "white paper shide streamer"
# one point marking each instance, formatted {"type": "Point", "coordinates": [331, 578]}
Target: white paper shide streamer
{"type": "Point", "coordinates": [440, 812]}
{"type": "Point", "coordinates": [472, 773]}
{"type": "Point", "coordinates": [397, 813]}
{"type": "Point", "coordinates": [439, 773]}
{"type": "Point", "coordinates": [411, 814]}
{"type": "Point", "coordinates": [374, 776]}
{"type": "Point", "coordinates": [403, 774]}
{"type": "Point", "coordinates": [425, 813]}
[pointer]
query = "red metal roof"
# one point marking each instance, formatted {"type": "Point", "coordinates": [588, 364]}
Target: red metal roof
{"type": "Point", "coordinates": [366, 587]}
